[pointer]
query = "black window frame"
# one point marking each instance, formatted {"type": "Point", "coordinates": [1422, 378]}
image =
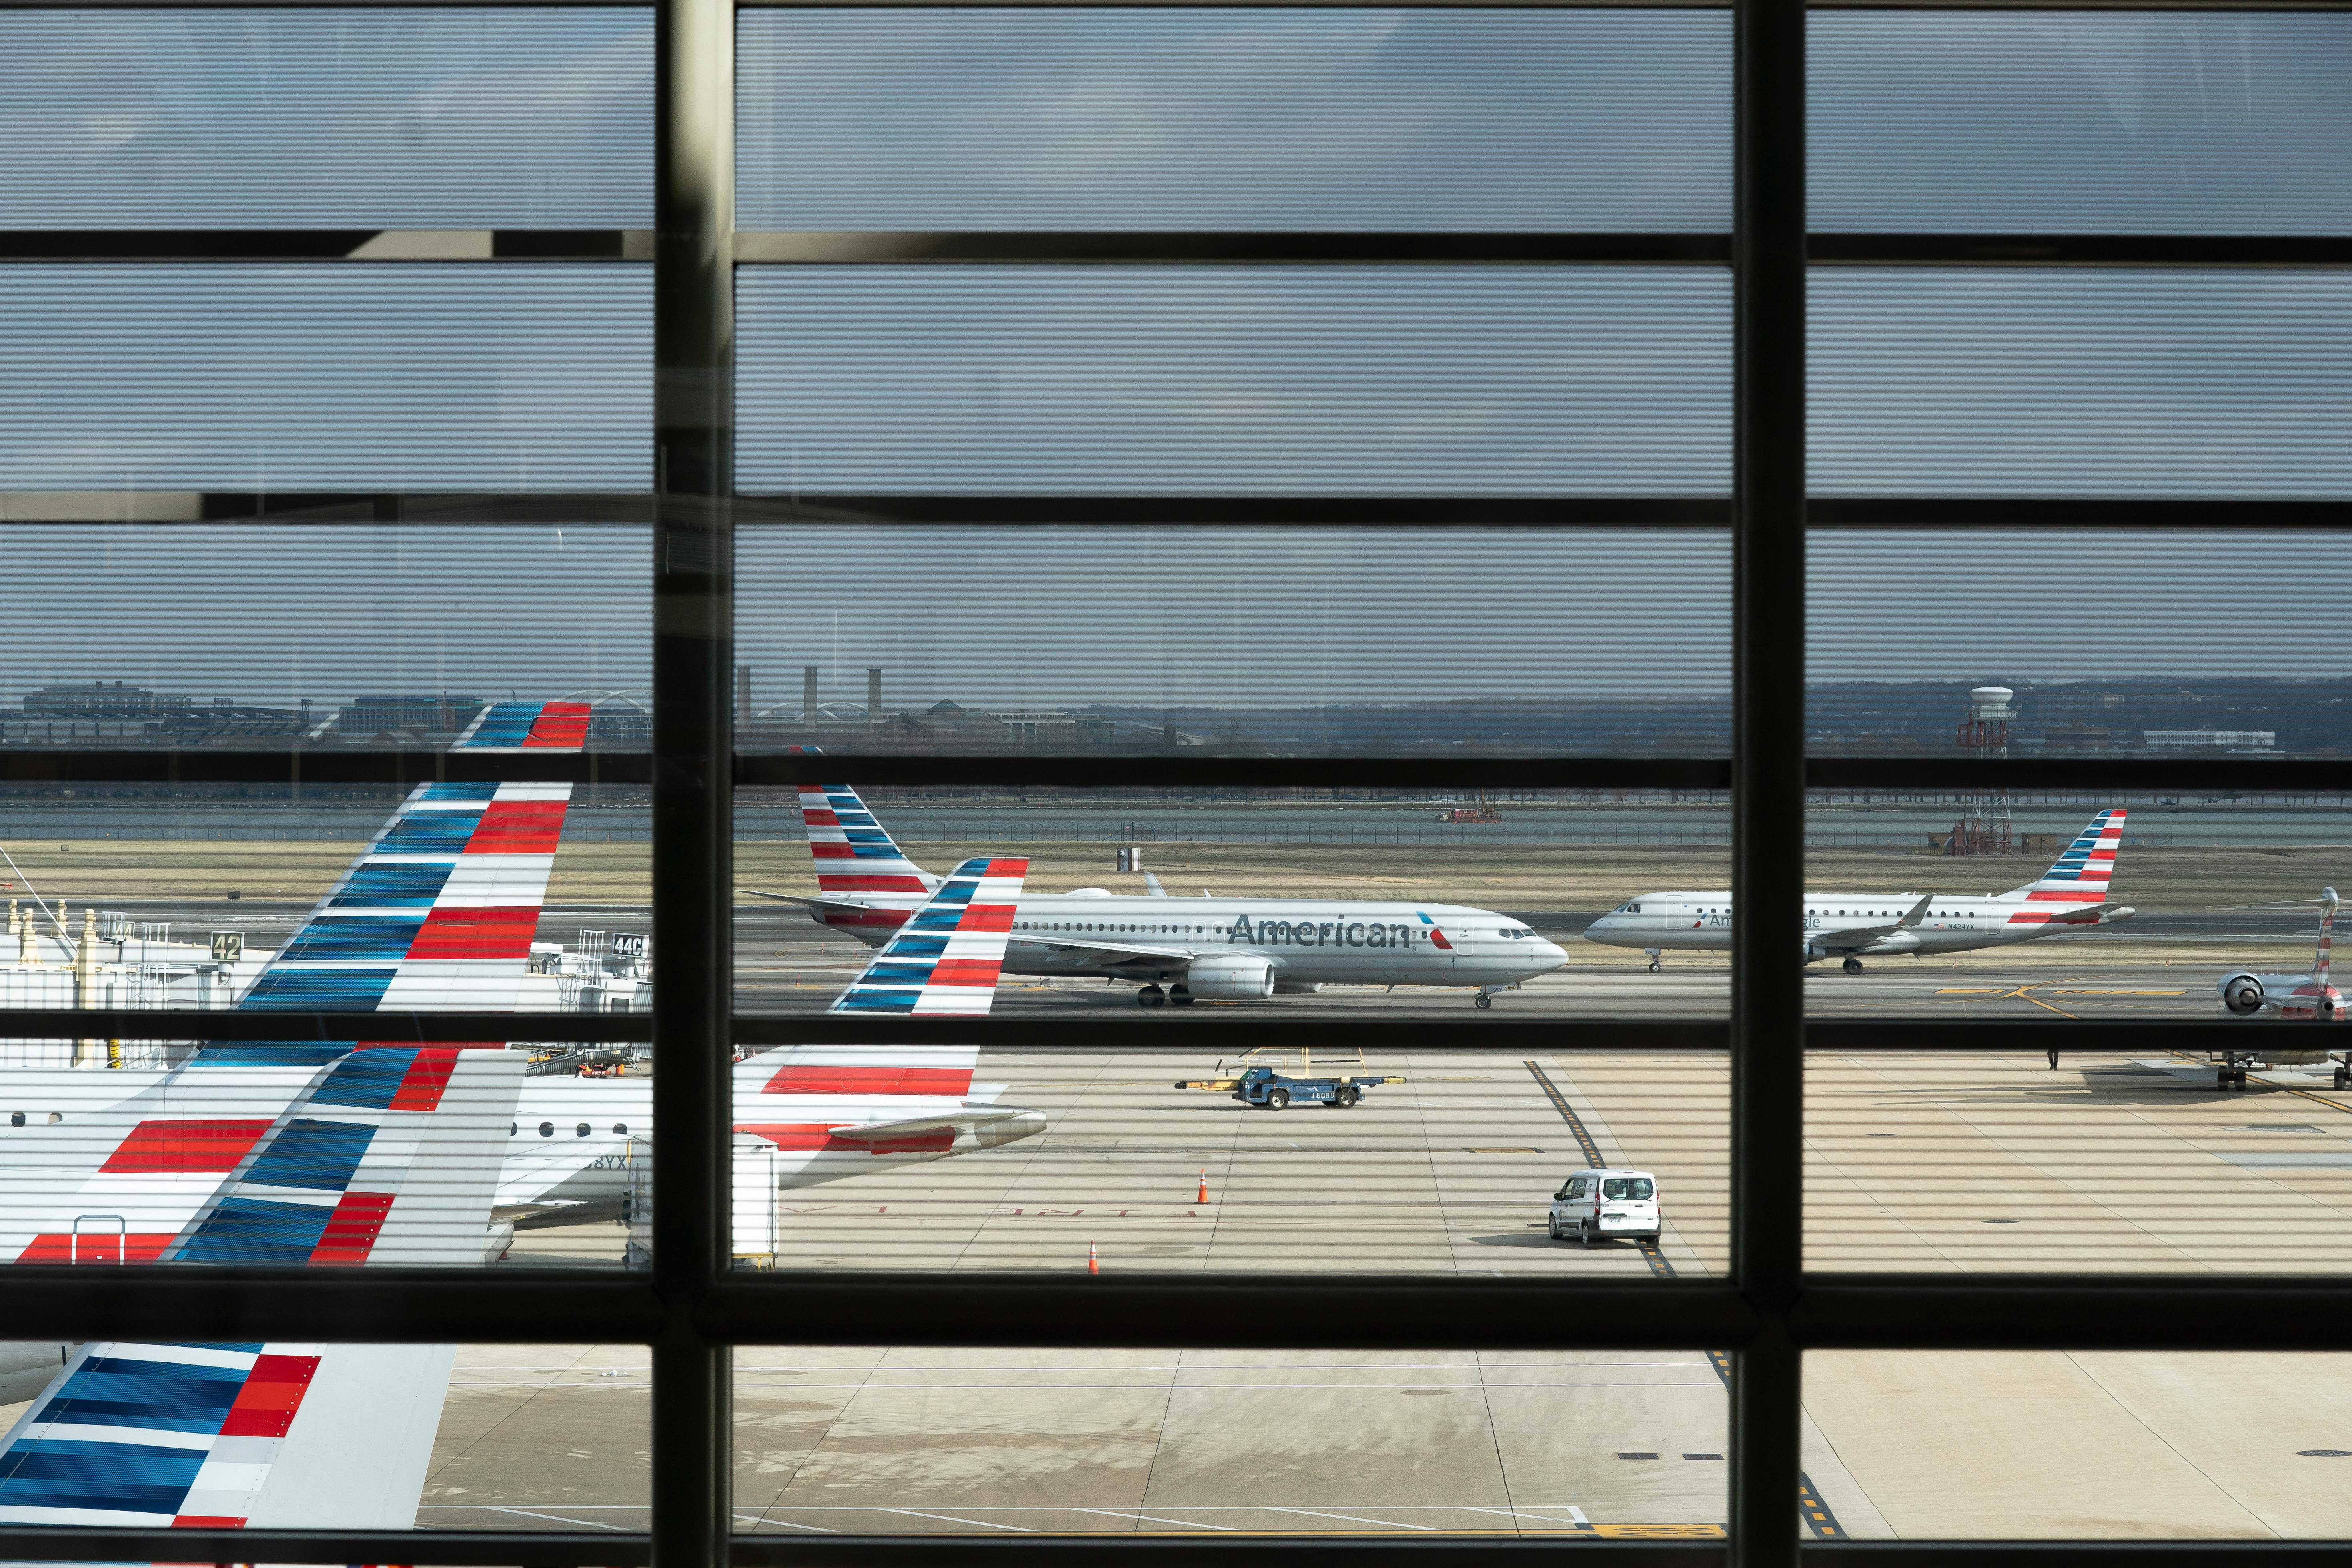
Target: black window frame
{"type": "Point", "coordinates": [692, 1309]}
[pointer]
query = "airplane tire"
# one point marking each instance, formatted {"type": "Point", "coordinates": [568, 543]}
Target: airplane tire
{"type": "Point", "coordinates": [1482, 1000]}
{"type": "Point", "coordinates": [1853, 966]}
{"type": "Point", "coordinates": [1653, 966]}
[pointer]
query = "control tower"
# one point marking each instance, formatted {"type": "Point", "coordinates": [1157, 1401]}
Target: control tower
{"type": "Point", "coordinates": [1984, 824]}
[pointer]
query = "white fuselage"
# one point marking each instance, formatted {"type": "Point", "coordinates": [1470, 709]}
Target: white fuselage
{"type": "Point", "coordinates": [1679, 922]}
{"type": "Point", "coordinates": [1309, 942]}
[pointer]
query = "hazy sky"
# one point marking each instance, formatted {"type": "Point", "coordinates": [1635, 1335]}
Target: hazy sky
{"type": "Point", "coordinates": [1337, 381]}
{"type": "Point", "coordinates": [1146, 616]}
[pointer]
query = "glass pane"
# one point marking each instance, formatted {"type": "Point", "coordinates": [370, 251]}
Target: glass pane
{"type": "Point", "coordinates": [379, 117]}
{"type": "Point", "coordinates": [2081, 122]}
{"type": "Point", "coordinates": [353, 1437]}
{"type": "Point", "coordinates": [1539, 1444]}
{"type": "Point", "coordinates": [2079, 382]}
{"type": "Point", "coordinates": [1225, 640]}
{"type": "Point", "coordinates": [1203, 119]}
{"type": "Point", "coordinates": [351, 377]}
{"type": "Point", "coordinates": [1241, 381]}
{"type": "Point", "coordinates": [2086, 1445]}
{"type": "Point", "coordinates": [189, 899]}
{"type": "Point", "coordinates": [1329, 897]}
{"type": "Point", "coordinates": [2118, 643]}
{"type": "Point", "coordinates": [267, 636]}
{"type": "Point", "coordinates": [2043, 903]}
{"type": "Point", "coordinates": [2151, 1161]}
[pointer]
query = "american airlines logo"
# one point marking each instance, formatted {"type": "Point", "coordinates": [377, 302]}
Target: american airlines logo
{"type": "Point", "coordinates": [1319, 933]}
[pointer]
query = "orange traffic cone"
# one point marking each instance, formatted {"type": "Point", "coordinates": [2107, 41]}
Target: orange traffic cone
{"type": "Point", "coordinates": [1204, 1188]}
{"type": "Point", "coordinates": [1092, 1265]}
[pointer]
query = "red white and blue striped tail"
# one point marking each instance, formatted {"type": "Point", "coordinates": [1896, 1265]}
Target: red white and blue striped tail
{"type": "Point", "coordinates": [944, 960]}
{"type": "Point", "coordinates": [2080, 876]}
{"type": "Point", "coordinates": [288, 1156]}
{"type": "Point", "coordinates": [527, 727]}
{"type": "Point", "coordinates": [437, 915]}
{"type": "Point", "coordinates": [856, 856]}
{"type": "Point", "coordinates": [224, 1436]}
{"type": "Point", "coordinates": [389, 1156]}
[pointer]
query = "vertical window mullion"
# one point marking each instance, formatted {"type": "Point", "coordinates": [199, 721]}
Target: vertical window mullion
{"type": "Point", "coordinates": [693, 830]}
{"type": "Point", "coordinates": [1768, 764]}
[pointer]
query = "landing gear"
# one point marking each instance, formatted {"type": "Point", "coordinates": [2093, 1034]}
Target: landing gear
{"type": "Point", "coordinates": [2343, 1076]}
{"type": "Point", "coordinates": [1151, 996]}
{"type": "Point", "coordinates": [1181, 995]}
{"type": "Point", "coordinates": [1853, 966]}
{"type": "Point", "coordinates": [2229, 1077]}
{"type": "Point", "coordinates": [1654, 959]}
{"type": "Point", "coordinates": [1482, 1000]}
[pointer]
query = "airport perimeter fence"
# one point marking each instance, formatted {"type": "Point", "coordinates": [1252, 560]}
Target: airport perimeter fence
{"type": "Point", "coordinates": [694, 1307]}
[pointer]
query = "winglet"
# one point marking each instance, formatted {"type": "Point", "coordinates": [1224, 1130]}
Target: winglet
{"type": "Point", "coordinates": [944, 960]}
{"type": "Point", "coordinates": [1919, 912]}
{"type": "Point", "coordinates": [2326, 935]}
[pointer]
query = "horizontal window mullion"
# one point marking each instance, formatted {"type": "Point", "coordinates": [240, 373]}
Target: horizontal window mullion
{"type": "Point", "coordinates": [2057, 512]}
{"type": "Point", "coordinates": [2126, 775]}
{"type": "Point", "coordinates": [779, 1549]}
{"type": "Point", "coordinates": [368, 244]}
{"type": "Point", "coordinates": [1417, 512]}
{"type": "Point", "coordinates": [524, 1548]}
{"type": "Point", "coordinates": [2025, 1037]}
{"type": "Point", "coordinates": [1830, 248]}
{"type": "Point", "coordinates": [2074, 1312]}
{"type": "Point", "coordinates": [355, 1306]}
{"type": "Point", "coordinates": [1156, 1032]}
{"type": "Point", "coordinates": [1124, 247]}
{"type": "Point", "coordinates": [1141, 1310]}
{"type": "Point", "coordinates": [288, 1025]}
{"type": "Point", "coordinates": [319, 765]}
{"type": "Point", "coordinates": [1997, 1553]}
{"type": "Point", "coordinates": [1178, 771]}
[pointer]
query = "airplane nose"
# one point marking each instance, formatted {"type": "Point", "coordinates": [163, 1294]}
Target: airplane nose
{"type": "Point", "coordinates": [1012, 1129]}
{"type": "Point", "coordinates": [1552, 954]}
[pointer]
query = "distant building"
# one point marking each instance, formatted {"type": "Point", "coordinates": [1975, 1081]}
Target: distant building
{"type": "Point", "coordinates": [2209, 740]}
{"type": "Point", "coordinates": [114, 712]}
{"type": "Point", "coordinates": [365, 716]}
{"type": "Point", "coordinates": [103, 699]}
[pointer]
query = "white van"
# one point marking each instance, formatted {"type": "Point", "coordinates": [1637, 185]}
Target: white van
{"type": "Point", "coordinates": [1593, 1205]}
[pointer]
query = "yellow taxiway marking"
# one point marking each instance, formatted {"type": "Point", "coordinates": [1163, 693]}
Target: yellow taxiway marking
{"type": "Point", "coordinates": [2020, 995]}
{"type": "Point", "coordinates": [2054, 991]}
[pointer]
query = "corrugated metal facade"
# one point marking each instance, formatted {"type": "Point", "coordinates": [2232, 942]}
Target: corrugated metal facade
{"type": "Point", "coordinates": [1204, 119]}
{"type": "Point", "coordinates": [2078, 122]}
{"type": "Point", "coordinates": [1257, 380]}
{"type": "Point", "coordinates": [350, 376]}
{"type": "Point", "coordinates": [2079, 382]}
{"type": "Point", "coordinates": [426, 117]}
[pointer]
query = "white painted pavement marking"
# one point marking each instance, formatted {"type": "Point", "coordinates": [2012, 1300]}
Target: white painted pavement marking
{"type": "Point", "coordinates": [950, 1519]}
{"type": "Point", "coordinates": [1153, 1517]}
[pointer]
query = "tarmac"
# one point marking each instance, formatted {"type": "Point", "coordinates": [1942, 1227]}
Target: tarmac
{"type": "Point", "coordinates": [1919, 1162]}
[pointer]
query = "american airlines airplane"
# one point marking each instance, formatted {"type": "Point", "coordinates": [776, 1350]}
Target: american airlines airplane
{"type": "Point", "coordinates": [357, 1154]}
{"type": "Point", "coordinates": [2071, 896]}
{"type": "Point", "coordinates": [1226, 947]}
{"type": "Point", "coordinates": [2308, 998]}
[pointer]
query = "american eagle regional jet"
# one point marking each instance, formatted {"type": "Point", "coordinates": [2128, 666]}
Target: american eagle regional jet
{"type": "Point", "coordinates": [2071, 896]}
{"type": "Point", "coordinates": [1228, 948]}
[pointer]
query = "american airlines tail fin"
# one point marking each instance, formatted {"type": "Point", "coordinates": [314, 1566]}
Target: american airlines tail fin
{"type": "Point", "coordinates": [944, 961]}
{"type": "Point", "coordinates": [2326, 935]}
{"type": "Point", "coordinates": [2080, 876]}
{"type": "Point", "coordinates": [855, 855]}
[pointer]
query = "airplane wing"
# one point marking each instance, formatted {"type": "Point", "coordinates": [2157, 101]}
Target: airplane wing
{"type": "Point", "coordinates": [1857, 937]}
{"type": "Point", "coordinates": [944, 960]}
{"type": "Point", "coordinates": [964, 1120]}
{"type": "Point", "coordinates": [1114, 953]}
{"type": "Point", "coordinates": [818, 903]}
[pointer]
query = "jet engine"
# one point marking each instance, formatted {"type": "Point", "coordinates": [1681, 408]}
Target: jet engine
{"type": "Point", "coordinates": [2242, 994]}
{"type": "Point", "coordinates": [1231, 975]}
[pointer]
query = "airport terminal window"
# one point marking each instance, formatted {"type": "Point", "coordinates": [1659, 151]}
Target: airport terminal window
{"type": "Point", "coordinates": [1245, 445]}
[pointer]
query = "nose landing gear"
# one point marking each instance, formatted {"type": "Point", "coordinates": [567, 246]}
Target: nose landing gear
{"type": "Point", "coordinates": [1654, 959]}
